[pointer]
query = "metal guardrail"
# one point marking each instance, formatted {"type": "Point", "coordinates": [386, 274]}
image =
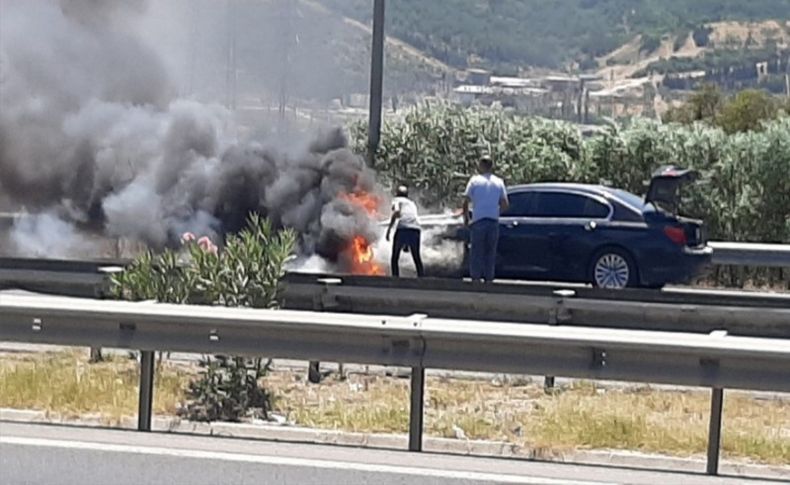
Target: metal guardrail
{"type": "Point", "coordinates": [682, 310]}
{"type": "Point", "coordinates": [90, 278]}
{"type": "Point", "coordinates": [717, 361]}
{"type": "Point", "coordinates": [740, 313]}
{"type": "Point", "coordinates": [751, 254]}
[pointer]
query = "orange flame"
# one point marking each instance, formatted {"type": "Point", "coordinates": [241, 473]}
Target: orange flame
{"type": "Point", "coordinates": [368, 202]}
{"type": "Point", "coordinates": [362, 261]}
{"type": "Point", "coordinates": [361, 250]}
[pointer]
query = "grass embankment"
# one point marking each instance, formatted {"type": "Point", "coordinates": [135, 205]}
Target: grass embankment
{"type": "Point", "coordinates": [67, 385]}
{"type": "Point", "coordinates": [583, 416]}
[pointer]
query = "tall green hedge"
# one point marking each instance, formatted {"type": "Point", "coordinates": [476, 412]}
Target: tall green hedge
{"type": "Point", "coordinates": [744, 194]}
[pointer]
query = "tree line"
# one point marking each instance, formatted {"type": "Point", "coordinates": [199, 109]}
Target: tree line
{"type": "Point", "coordinates": [505, 34]}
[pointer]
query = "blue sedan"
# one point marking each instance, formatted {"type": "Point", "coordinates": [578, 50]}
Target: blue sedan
{"type": "Point", "coordinates": [600, 235]}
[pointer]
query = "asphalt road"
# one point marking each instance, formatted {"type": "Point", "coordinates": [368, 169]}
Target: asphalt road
{"type": "Point", "coordinates": [57, 455]}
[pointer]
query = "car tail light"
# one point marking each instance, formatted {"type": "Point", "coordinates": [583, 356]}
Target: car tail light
{"type": "Point", "coordinates": [676, 234]}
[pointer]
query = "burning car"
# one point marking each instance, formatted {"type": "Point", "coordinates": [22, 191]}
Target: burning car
{"type": "Point", "coordinates": [595, 234]}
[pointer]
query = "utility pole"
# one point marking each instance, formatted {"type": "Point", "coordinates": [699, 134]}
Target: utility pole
{"type": "Point", "coordinates": [376, 80]}
{"type": "Point", "coordinates": [232, 68]}
{"type": "Point", "coordinates": [194, 17]}
{"type": "Point", "coordinates": [289, 39]}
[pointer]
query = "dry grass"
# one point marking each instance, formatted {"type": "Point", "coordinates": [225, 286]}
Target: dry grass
{"type": "Point", "coordinates": [64, 383]}
{"type": "Point", "coordinates": [370, 404]}
{"type": "Point", "coordinates": [583, 416]}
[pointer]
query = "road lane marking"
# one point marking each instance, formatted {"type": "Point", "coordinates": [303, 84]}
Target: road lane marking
{"type": "Point", "coordinates": [291, 462]}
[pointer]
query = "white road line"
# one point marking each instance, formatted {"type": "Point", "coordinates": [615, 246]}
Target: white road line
{"type": "Point", "coordinates": [292, 462]}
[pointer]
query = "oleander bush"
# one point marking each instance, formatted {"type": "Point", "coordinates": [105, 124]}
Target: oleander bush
{"type": "Point", "coordinates": [246, 272]}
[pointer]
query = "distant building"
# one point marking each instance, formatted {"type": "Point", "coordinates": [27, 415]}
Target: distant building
{"type": "Point", "coordinates": [514, 82]}
{"type": "Point", "coordinates": [478, 77]}
{"type": "Point", "coordinates": [565, 97]}
{"type": "Point", "coordinates": [521, 98]}
{"type": "Point", "coordinates": [633, 97]}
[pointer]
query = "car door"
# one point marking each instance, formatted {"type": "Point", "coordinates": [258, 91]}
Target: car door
{"type": "Point", "coordinates": [573, 225]}
{"type": "Point", "coordinates": [520, 250]}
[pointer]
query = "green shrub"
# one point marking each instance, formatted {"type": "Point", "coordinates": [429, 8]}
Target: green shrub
{"type": "Point", "coordinates": [245, 273]}
{"type": "Point", "coordinates": [650, 43]}
{"type": "Point", "coordinates": [228, 389]}
{"type": "Point", "coordinates": [702, 35]}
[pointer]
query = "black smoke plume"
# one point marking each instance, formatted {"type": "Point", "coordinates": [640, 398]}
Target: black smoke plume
{"type": "Point", "coordinates": [93, 136]}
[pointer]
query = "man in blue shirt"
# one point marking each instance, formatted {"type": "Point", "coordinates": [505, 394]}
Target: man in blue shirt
{"type": "Point", "coordinates": [488, 197]}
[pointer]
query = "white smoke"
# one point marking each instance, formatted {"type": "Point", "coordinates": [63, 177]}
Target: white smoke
{"type": "Point", "coordinates": [46, 236]}
{"type": "Point", "coordinates": [313, 264]}
{"type": "Point", "coordinates": [441, 251]}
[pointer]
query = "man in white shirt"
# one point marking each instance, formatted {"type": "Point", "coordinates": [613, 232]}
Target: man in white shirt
{"type": "Point", "coordinates": [407, 235]}
{"type": "Point", "coordinates": [488, 196]}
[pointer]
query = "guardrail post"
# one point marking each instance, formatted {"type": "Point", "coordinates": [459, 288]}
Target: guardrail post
{"type": "Point", "coordinates": [548, 384]}
{"type": "Point", "coordinates": [96, 355]}
{"type": "Point", "coordinates": [416, 410]}
{"type": "Point", "coordinates": [548, 381]}
{"type": "Point", "coordinates": [314, 372]}
{"type": "Point", "coordinates": [323, 302]}
{"type": "Point", "coordinates": [556, 316]}
{"type": "Point", "coordinates": [145, 410]}
{"type": "Point", "coordinates": [714, 434]}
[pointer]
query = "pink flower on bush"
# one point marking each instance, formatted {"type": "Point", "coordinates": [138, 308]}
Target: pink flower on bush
{"type": "Point", "coordinates": [187, 238]}
{"type": "Point", "coordinates": [207, 246]}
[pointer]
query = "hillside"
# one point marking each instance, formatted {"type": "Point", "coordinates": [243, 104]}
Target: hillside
{"type": "Point", "coordinates": [686, 50]}
{"type": "Point", "coordinates": [407, 68]}
{"type": "Point", "coordinates": [509, 34]}
{"type": "Point", "coordinates": [298, 49]}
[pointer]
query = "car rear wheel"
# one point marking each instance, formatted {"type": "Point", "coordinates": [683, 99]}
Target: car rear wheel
{"type": "Point", "coordinates": [613, 269]}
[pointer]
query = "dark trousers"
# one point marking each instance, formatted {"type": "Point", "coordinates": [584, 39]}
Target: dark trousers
{"type": "Point", "coordinates": [406, 238]}
{"type": "Point", "coordinates": [484, 236]}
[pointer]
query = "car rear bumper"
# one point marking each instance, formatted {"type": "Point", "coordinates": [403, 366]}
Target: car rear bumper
{"type": "Point", "coordinates": [688, 264]}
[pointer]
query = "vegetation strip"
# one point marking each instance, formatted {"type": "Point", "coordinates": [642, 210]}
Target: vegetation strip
{"type": "Point", "coordinates": [583, 416]}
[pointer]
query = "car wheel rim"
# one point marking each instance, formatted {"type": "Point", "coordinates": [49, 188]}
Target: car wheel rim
{"type": "Point", "coordinates": [612, 271]}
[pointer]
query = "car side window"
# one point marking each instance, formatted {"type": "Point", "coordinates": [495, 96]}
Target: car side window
{"type": "Point", "coordinates": [595, 210]}
{"type": "Point", "coordinates": [623, 214]}
{"type": "Point", "coordinates": [569, 206]}
{"type": "Point", "coordinates": [521, 205]}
